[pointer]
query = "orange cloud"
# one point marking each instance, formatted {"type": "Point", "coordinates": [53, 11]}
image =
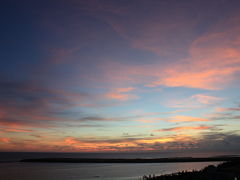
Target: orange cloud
{"type": "Point", "coordinates": [180, 118]}
{"type": "Point", "coordinates": [214, 59]}
{"type": "Point", "coordinates": [121, 94]}
{"type": "Point", "coordinates": [123, 144]}
{"type": "Point", "coordinates": [88, 144]}
{"type": "Point", "coordinates": [124, 90]}
{"type": "Point", "coordinates": [184, 73]}
{"type": "Point", "coordinates": [177, 118]}
{"type": "Point", "coordinates": [219, 109]}
{"type": "Point", "coordinates": [4, 139]}
{"type": "Point", "coordinates": [96, 145]}
{"type": "Point", "coordinates": [167, 139]}
{"type": "Point", "coordinates": [17, 130]}
{"type": "Point", "coordinates": [211, 77]}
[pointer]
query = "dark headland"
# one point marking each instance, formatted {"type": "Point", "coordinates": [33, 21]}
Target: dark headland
{"type": "Point", "coordinates": [225, 171]}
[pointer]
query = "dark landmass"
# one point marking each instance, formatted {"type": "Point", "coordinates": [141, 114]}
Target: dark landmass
{"type": "Point", "coordinates": [158, 160]}
{"type": "Point", "coordinates": [226, 171]}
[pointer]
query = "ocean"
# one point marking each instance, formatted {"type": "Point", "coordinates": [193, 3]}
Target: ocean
{"type": "Point", "coordinates": [10, 169]}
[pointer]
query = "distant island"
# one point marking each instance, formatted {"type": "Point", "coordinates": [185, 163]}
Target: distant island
{"type": "Point", "coordinates": [156, 160]}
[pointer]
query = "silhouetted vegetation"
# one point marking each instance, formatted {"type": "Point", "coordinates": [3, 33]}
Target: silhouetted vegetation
{"type": "Point", "coordinates": [225, 171]}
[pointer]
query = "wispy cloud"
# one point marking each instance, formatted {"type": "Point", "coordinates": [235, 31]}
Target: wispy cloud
{"type": "Point", "coordinates": [219, 109]}
{"type": "Point", "coordinates": [101, 118]}
{"type": "Point", "coordinates": [184, 128]}
{"type": "Point", "coordinates": [180, 118]}
{"type": "Point", "coordinates": [15, 130]}
{"type": "Point", "coordinates": [195, 101]}
{"type": "Point", "coordinates": [122, 94]}
{"type": "Point", "coordinates": [210, 65]}
{"type": "Point", "coordinates": [96, 62]}
{"type": "Point", "coordinates": [225, 114]}
{"type": "Point", "coordinates": [25, 104]}
{"type": "Point", "coordinates": [4, 139]}
{"type": "Point", "coordinates": [208, 141]}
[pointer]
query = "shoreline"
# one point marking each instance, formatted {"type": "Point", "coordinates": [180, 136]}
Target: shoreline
{"type": "Point", "coordinates": [229, 170]}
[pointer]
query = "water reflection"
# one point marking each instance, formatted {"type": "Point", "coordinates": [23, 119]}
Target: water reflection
{"type": "Point", "coordinates": [68, 171]}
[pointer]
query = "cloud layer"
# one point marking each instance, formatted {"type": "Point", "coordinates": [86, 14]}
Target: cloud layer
{"type": "Point", "coordinates": [76, 75]}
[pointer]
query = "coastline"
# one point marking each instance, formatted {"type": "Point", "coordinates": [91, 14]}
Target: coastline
{"type": "Point", "coordinates": [225, 171]}
{"type": "Point", "coordinates": [229, 169]}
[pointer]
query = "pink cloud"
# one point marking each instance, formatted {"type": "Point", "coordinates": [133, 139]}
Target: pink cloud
{"type": "Point", "coordinates": [213, 59]}
{"type": "Point", "coordinates": [205, 99]}
{"type": "Point", "coordinates": [4, 139]}
{"type": "Point", "coordinates": [194, 101]}
{"type": "Point", "coordinates": [219, 109]}
{"type": "Point", "coordinates": [121, 94]}
{"type": "Point", "coordinates": [180, 118]}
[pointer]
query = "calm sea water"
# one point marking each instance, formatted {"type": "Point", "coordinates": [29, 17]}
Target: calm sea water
{"type": "Point", "coordinates": [10, 170]}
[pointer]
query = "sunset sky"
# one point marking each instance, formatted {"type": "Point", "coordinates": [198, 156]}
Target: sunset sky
{"type": "Point", "coordinates": [120, 75]}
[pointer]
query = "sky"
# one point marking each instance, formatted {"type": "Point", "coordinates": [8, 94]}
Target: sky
{"type": "Point", "coordinates": [120, 76]}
